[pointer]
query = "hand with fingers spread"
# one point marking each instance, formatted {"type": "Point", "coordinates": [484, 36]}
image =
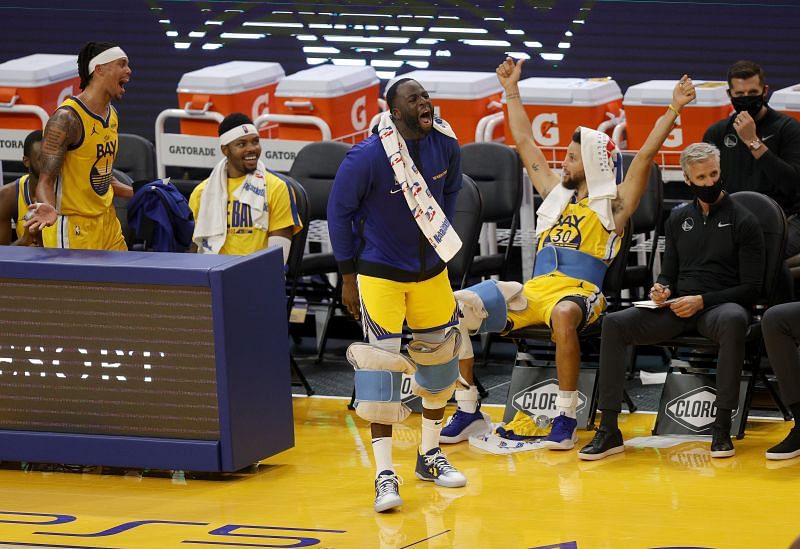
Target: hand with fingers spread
{"type": "Point", "coordinates": [43, 215]}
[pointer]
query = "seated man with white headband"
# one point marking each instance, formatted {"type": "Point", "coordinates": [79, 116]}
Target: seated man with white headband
{"type": "Point", "coordinates": [76, 186]}
{"type": "Point", "coordinates": [579, 229]}
{"type": "Point", "coordinates": [242, 207]}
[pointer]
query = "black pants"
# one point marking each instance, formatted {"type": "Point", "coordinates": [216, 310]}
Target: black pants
{"type": "Point", "coordinates": [724, 324]}
{"type": "Point", "coordinates": [781, 327]}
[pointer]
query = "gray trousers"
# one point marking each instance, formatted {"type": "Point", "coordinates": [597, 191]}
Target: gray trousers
{"type": "Point", "coordinates": [724, 324]}
{"type": "Point", "coordinates": [781, 328]}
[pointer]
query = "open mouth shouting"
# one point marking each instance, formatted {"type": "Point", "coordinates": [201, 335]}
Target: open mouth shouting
{"type": "Point", "coordinates": [426, 118]}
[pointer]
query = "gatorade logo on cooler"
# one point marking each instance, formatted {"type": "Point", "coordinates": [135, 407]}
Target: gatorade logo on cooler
{"type": "Point", "coordinates": [540, 399]}
{"type": "Point", "coordinates": [358, 114]}
{"type": "Point", "coordinates": [545, 129]}
{"type": "Point", "coordinates": [695, 410]}
{"type": "Point", "coordinates": [675, 137]}
{"type": "Point", "coordinates": [260, 106]}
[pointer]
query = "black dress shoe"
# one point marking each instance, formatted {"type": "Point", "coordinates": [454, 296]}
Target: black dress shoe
{"type": "Point", "coordinates": [787, 449]}
{"type": "Point", "coordinates": [605, 443]}
{"type": "Point", "coordinates": [721, 444]}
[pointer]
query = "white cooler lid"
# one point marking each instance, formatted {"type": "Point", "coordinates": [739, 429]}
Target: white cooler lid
{"type": "Point", "coordinates": [710, 93]}
{"type": "Point", "coordinates": [326, 81]}
{"type": "Point", "coordinates": [39, 69]}
{"type": "Point", "coordinates": [786, 99]}
{"type": "Point", "coordinates": [231, 77]}
{"type": "Point", "coordinates": [568, 91]}
{"type": "Point", "coordinates": [453, 84]}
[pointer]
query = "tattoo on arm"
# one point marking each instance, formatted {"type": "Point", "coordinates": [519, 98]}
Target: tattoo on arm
{"type": "Point", "coordinates": [535, 167]}
{"type": "Point", "coordinates": [617, 205]}
{"type": "Point", "coordinates": [61, 130]}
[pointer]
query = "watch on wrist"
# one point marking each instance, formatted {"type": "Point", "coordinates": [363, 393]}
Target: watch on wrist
{"type": "Point", "coordinates": [755, 144]}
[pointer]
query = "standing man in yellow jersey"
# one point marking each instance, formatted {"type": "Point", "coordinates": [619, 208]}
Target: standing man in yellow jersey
{"type": "Point", "coordinates": [76, 187]}
{"type": "Point", "coordinates": [242, 207]}
{"type": "Point", "coordinates": [16, 197]}
{"type": "Point", "coordinates": [579, 228]}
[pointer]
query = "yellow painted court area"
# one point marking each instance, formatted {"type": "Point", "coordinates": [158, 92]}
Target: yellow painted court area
{"type": "Point", "coordinates": [320, 495]}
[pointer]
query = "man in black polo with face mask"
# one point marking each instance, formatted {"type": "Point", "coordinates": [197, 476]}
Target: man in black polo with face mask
{"type": "Point", "coordinates": [711, 275]}
{"type": "Point", "coordinates": [759, 147]}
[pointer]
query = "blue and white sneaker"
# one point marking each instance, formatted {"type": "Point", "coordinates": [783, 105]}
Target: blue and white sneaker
{"type": "Point", "coordinates": [387, 495]}
{"type": "Point", "coordinates": [433, 466]}
{"type": "Point", "coordinates": [463, 425]}
{"type": "Point", "coordinates": [563, 434]}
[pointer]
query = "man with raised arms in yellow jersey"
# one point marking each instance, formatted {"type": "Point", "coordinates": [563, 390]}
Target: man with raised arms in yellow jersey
{"type": "Point", "coordinates": [579, 226]}
{"type": "Point", "coordinates": [242, 207]}
{"type": "Point", "coordinates": [76, 186]}
{"type": "Point", "coordinates": [16, 197]}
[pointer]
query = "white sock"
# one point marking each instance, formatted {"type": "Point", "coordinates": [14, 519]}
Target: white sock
{"type": "Point", "coordinates": [430, 434]}
{"type": "Point", "coordinates": [468, 399]}
{"type": "Point", "coordinates": [382, 450]}
{"type": "Point", "coordinates": [566, 403]}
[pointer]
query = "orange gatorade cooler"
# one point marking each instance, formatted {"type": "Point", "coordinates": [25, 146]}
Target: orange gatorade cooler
{"type": "Point", "coordinates": [461, 98]}
{"type": "Point", "coordinates": [787, 101]}
{"type": "Point", "coordinates": [557, 106]}
{"type": "Point", "coordinates": [645, 103]}
{"type": "Point", "coordinates": [236, 86]}
{"type": "Point", "coordinates": [344, 97]}
{"type": "Point", "coordinates": [41, 79]}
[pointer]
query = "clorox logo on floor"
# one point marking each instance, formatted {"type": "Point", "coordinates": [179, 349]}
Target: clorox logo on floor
{"type": "Point", "coordinates": [540, 399]}
{"type": "Point", "coordinates": [695, 410]}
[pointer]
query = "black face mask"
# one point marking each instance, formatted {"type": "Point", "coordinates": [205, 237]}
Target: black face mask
{"type": "Point", "coordinates": [750, 103]}
{"type": "Point", "coordinates": [708, 194]}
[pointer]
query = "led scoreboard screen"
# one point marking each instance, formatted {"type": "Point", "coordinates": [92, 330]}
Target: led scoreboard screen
{"type": "Point", "coordinates": [107, 359]}
{"type": "Point", "coordinates": [153, 360]}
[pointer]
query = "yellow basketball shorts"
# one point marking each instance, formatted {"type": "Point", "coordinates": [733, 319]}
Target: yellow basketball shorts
{"type": "Point", "coordinates": [101, 232]}
{"type": "Point", "coordinates": [426, 306]}
{"type": "Point", "coordinates": [544, 292]}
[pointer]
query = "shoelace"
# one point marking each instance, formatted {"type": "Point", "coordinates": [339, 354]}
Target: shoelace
{"type": "Point", "coordinates": [388, 484]}
{"type": "Point", "coordinates": [440, 461]}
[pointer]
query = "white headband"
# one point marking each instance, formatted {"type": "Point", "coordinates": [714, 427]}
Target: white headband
{"type": "Point", "coordinates": [237, 132]}
{"type": "Point", "coordinates": [106, 56]}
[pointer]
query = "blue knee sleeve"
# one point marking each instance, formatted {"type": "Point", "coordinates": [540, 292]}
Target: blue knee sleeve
{"type": "Point", "coordinates": [378, 385]}
{"type": "Point", "coordinates": [438, 377]}
{"type": "Point", "coordinates": [495, 305]}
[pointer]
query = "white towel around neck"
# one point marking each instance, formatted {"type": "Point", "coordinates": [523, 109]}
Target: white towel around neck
{"type": "Point", "coordinates": [211, 225]}
{"type": "Point", "coordinates": [423, 207]}
{"type": "Point", "coordinates": [602, 164]}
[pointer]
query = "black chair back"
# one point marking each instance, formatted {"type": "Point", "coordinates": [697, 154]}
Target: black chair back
{"type": "Point", "coordinates": [497, 171]}
{"type": "Point", "coordinates": [648, 214]}
{"type": "Point", "coordinates": [315, 168]}
{"type": "Point", "coordinates": [773, 224]}
{"type": "Point", "coordinates": [467, 223]}
{"type": "Point", "coordinates": [136, 157]}
{"type": "Point", "coordinates": [615, 274]}
{"type": "Point", "coordinates": [298, 241]}
{"type": "Point", "coordinates": [121, 206]}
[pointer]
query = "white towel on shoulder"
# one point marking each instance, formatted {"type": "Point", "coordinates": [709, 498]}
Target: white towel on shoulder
{"type": "Point", "coordinates": [426, 211]}
{"type": "Point", "coordinates": [211, 225]}
{"type": "Point", "coordinates": [602, 164]}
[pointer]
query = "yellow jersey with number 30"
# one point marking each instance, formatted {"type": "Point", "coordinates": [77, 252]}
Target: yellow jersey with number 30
{"type": "Point", "coordinates": [84, 187]}
{"type": "Point", "coordinates": [579, 228]}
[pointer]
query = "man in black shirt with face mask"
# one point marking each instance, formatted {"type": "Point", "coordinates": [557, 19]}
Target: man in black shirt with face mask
{"type": "Point", "coordinates": [760, 147]}
{"type": "Point", "coordinates": [711, 274]}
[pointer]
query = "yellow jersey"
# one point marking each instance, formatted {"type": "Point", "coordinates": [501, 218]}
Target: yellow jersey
{"type": "Point", "coordinates": [243, 238]}
{"type": "Point", "coordinates": [24, 199]}
{"type": "Point", "coordinates": [84, 187]}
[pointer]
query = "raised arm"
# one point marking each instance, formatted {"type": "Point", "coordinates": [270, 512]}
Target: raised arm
{"type": "Point", "coordinates": [633, 186]}
{"type": "Point", "coordinates": [62, 130]}
{"type": "Point", "coordinates": [535, 162]}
